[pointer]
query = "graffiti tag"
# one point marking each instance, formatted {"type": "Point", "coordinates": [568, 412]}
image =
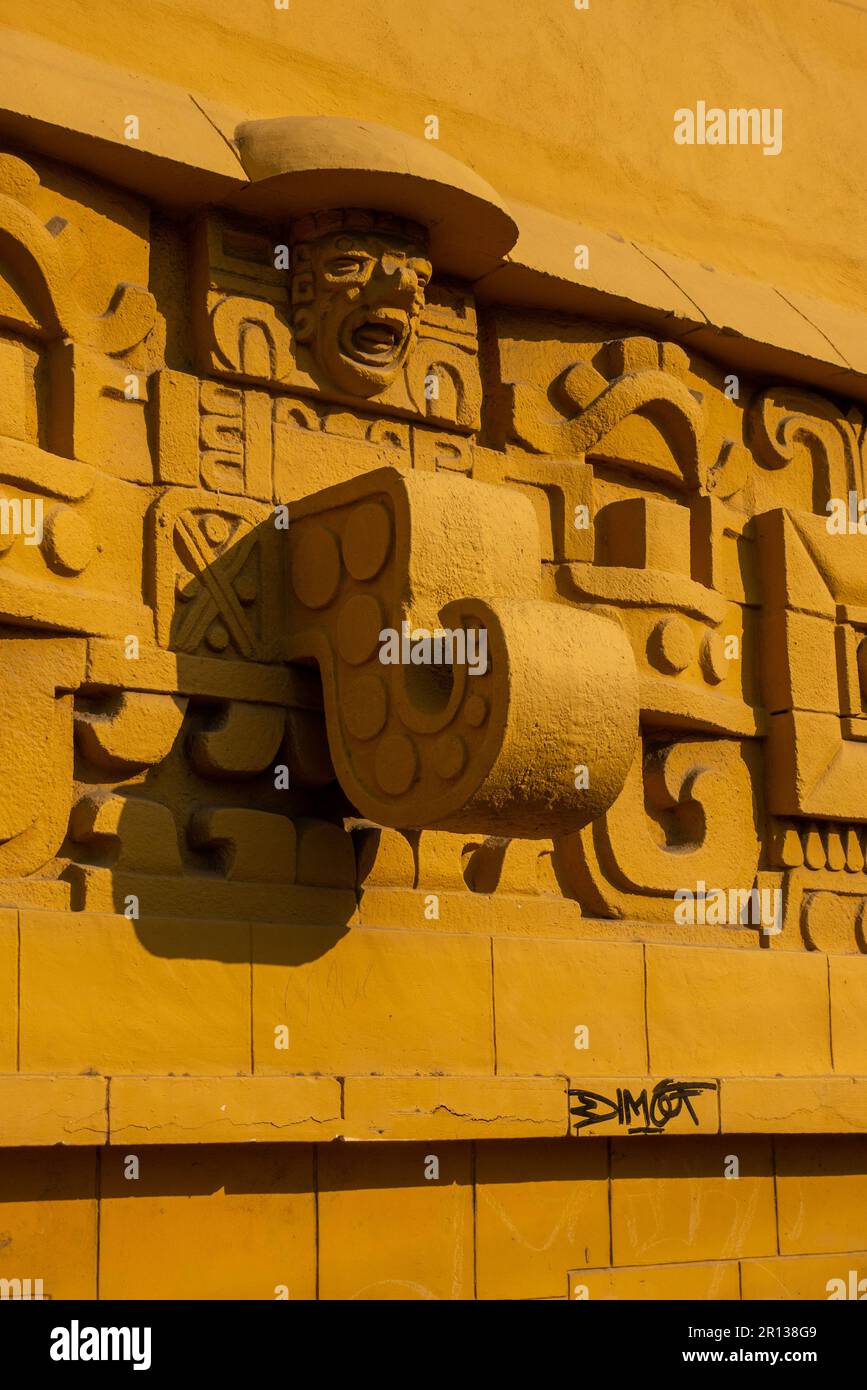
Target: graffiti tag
{"type": "Point", "coordinates": [638, 1114]}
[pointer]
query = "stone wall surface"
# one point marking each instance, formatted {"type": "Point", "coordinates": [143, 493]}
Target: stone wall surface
{"type": "Point", "coordinates": [504, 1219]}
{"type": "Point", "coordinates": [433, 656]}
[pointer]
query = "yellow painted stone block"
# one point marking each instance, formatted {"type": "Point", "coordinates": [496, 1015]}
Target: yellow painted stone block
{"type": "Point", "coordinates": [53, 1110]}
{"type": "Point", "coordinates": [794, 1105]}
{"type": "Point", "coordinates": [471, 1107]}
{"type": "Point", "coordinates": [484, 913]}
{"type": "Point", "coordinates": [115, 996]}
{"type": "Point", "coordinates": [737, 1012]}
{"type": "Point", "coordinates": [674, 1282]}
{"type": "Point", "coordinates": [541, 1208]}
{"type": "Point", "coordinates": [613, 1107]}
{"type": "Point", "coordinates": [222, 1110]}
{"type": "Point", "coordinates": [804, 1277]}
{"type": "Point", "coordinates": [822, 1193]}
{"type": "Point", "coordinates": [48, 1220]}
{"type": "Point", "coordinates": [370, 1001]}
{"type": "Point", "coordinates": [222, 1221]}
{"type": "Point", "coordinates": [671, 1200]}
{"type": "Point", "coordinates": [388, 1232]}
{"type": "Point", "coordinates": [630, 180]}
{"type": "Point", "coordinates": [8, 989]}
{"type": "Point", "coordinates": [551, 995]}
{"type": "Point", "coordinates": [848, 979]}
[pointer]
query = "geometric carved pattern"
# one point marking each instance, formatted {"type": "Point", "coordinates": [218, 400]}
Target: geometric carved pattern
{"type": "Point", "coordinates": [625, 867]}
{"type": "Point", "coordinates": [814, 627]}
{"type": "Point", "coordinates": [217, 567]}
{"type": "Point", "coordinates": [623, 525]}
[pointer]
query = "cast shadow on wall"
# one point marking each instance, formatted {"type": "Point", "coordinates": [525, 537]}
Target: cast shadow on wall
{"type": "Point", "coordinates": [207, 801]}
{"type": "Point", "coordinates": [207, 794]}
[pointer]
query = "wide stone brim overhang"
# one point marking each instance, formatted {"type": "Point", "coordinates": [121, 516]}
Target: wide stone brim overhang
{"type": "Point", "coordinates": [304, 164]}
{"type": "Point", "coordinates": [71, 107]}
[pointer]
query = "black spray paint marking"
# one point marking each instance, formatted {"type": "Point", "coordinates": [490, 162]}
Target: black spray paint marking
{"type": "Point", "coordinates": [667, 1100]}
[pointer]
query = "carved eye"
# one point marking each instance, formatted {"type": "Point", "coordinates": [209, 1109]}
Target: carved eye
{"type": "Point", "coordinates": [345, 265]}
{"type": "Point", "coordinates": [423, 273]}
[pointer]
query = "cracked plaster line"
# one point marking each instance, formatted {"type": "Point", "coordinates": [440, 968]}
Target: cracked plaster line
{"type": "Point", "coordinates": [816, 328]}
{"type": "Point", "coordinates": [66, 1121]}
{"type": "Point", "coordinates": [794, 307]}
{"type": "Point", "coordinates": [702, 315]}
{"type": "Point", "coordinates": [224, 1119]}
{"type": "Point", "coordinates": [480, 1119]}
{"type": "Point", "coordinates": [223, 137]}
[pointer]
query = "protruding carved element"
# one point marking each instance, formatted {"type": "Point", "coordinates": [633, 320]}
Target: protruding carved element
{"type": "Point", "coordinates": [497, 863]}
{"type": "Point", "coordinates": [559, 490]}
{"type": "Point", "coordinates": [326, 854]}
{"type": "Point", "coordinates": [36, 748]}
{"type": "Point", "coordinates": [433, 745]}
{"type": "Point", "coordinates": [788, 427]}
{"type": "Point", "coordinates": [672, 826]}
{"type": "Point", "coordinates": [354, 318]}
{"type": "Point", "coordinates": [216, 576]}
{"type": "Point", "coordinates": [834, 922]}
{"type": "Point", "coordinates": [235, 439]}
{"type": "Point", "coordinates": [22, 462]}
{"type": "Point", "coordinates": [136, 833]}
{"type": "Point", "coordinates": [133, 731]}
{"type": "Point", "coordinates": [385, 857]}
{"type": "Point", "coordinates": [261, 847]}
{"type": "Point", "coordinates": [644, 382]}
{"type": "Point", "coordinates": [307, 753]}
{"type": "Point", "coordinates": [36, 262]}
{"type": "Point", "coordinates": [256, 846]}
{"type": "Point", "coordinates": [99, 411]}
{"type": "Point", "coordinates": [358, 287]}
{"type": "Point", "coordinates": [241, 743]}
{"type": "Point", "coordinates": [303, 164]}
{"type": "Point", "coordinates": [814, 619]}
{"type": "Point", "coordinates": [251, 339]}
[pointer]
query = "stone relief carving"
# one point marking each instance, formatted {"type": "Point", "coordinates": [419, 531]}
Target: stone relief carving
{"type": "Point", "coordinates": [675, 689]}
{"type": "Point", "coordinates": [493, 749]}
{"type": "Point", "coordinates": [353, 316]}
{"type": "Point", "coordinates": [358, 287]}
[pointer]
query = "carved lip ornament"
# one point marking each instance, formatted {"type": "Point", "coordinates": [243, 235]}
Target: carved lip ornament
{"type": "Point", "coordinates": [376, 337]}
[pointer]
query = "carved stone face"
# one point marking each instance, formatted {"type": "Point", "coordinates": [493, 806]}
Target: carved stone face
{"type": "Point", "coordinates": [357, 299]}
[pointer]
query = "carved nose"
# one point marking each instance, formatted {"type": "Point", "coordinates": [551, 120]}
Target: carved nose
{"type": "Point", "coordinates": [401, 275]}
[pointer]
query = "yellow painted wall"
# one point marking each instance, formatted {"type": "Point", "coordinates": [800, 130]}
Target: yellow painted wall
{"type": "Point", "coordinates": [571, 110]}
{"type": "Point", "coordinates": [516, 1220]}
{"type": "Point", "coordinates": [724, 1208]}
{"type": "Point", "coordinates": [455, 1036]}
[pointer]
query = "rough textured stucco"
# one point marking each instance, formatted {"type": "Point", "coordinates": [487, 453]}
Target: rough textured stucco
{"type": "Point", "coordinates": [410, 971]}
{"type": "Point", "coordinates": [594, 120]}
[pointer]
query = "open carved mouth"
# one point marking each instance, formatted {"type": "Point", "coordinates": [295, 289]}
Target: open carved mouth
{"type": "Point", "coordinates": [377, 338]}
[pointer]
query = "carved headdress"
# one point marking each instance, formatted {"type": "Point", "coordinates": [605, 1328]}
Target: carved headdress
{"type": "Point", "coordinates": [309, 164]}
{"type": "Point", "coordinates": [370, 213]}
